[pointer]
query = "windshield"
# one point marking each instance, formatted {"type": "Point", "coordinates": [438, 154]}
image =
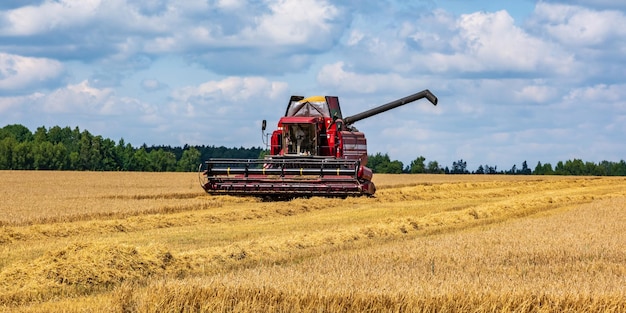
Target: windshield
{"type": "Point", "coordinates": [308, 108]}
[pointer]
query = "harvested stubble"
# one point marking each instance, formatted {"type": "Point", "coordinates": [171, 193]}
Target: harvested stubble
{"type": "Point", "coordinates": [428, 242]}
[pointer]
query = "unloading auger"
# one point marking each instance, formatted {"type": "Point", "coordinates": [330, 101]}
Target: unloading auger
{"type": "Point", "coordinates": [315, 151]}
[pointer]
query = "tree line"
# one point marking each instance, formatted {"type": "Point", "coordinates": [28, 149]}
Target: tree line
{"type": "Point", "coordinates": [59, 148]}
{"type": "Point", "coordinates": [381, 163]}
{"type": "Point", "coordinates": [64, 148]}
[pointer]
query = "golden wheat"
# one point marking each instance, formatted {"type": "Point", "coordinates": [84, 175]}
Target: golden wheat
{"type": "Point", "coordinates": [557, 263]}
{"type": "Point", "coordinates": [133, 241]}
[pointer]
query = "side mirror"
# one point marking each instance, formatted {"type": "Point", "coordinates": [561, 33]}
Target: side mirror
{"type": "Point", "coordinates": [263, 125]}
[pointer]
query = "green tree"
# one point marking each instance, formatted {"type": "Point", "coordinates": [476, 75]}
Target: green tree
{"type": "Point", "coordinates": [125, 153]}
{"type": "Point", "coordinates": [394, 167]}
{"type": "Point", "coordinates": [459, 167]}
{"type": "Point", "coordinates": [110, 160]}
{"type": "Point", "coordinates": [189, 161]}
{"type": "Point", "coordinates": [559, 169]}
{"type": "Point", "coordinates": [43, 155]}
{"type": "Point", "coordinates": [95, 153]}
{"type": "Point", "coordinates": [22, 157]}
{"type": "Point", "coordinates": [60, 157]}
{"type": "Point", "coordinates": [41, 134]}
{"type": "Point", "coordinates": [620, 168]}
{"type": "Point", "coordinates": [84, 151]}
{"type": "Point", "coordinates": [7, 145]}
{"type": "Point", "coordinates": [74, 161]}
{"type": "Point", "coordinates": [525, 170]}
{"type": "Point", "coordinates": [593, 169]}
{"type": "Point", "coordinates": [17, 131]}
{"type": "Point", "coordinates": [417, 165]}
{"type": "Point", "coordinates": [162, 161]}
{"type": "Point", "coordinates": [378, 162]}
{"type": "Point", "coordinates": [140, 160]}
{"type": "Point", "coordinates": [433, 168]}
{"type": "Point", "coordinates": [574, 167]}
{"type": "Point", "coordinates": [381, 163]}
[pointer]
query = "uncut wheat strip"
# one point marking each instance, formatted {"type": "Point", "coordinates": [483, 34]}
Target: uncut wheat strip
{"type": "Point", "coordinates": [70, 208]}
{"type": "Point", "coordinates": [384, 181]}
{"type": "Point", "coordinates": [277, 247]}
{"type": "Point", "coordinates": [74, 195]}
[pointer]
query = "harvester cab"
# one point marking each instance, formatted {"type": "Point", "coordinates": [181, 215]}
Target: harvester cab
{"type": "Point", "coordinates": [307, 127]}
{"type": "Point", "coordinates": [314, 151]}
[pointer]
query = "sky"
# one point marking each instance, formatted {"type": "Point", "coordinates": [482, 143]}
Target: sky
{"type": "Point", "coordinates": [535, 81]}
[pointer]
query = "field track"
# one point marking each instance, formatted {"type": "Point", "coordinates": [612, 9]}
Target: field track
{"type": "Point", "coordinates": [148, 242]}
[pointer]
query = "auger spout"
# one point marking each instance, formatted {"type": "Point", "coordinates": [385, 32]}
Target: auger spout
{"type": "Point", "coordinates": [392, 105]}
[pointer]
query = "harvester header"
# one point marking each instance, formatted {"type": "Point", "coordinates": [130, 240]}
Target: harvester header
{"type": "Point", "coordinates": [313, 152]}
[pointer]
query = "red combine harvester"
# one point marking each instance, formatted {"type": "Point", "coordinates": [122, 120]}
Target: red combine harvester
{"type": "Point", "coordinates": [314, 152]}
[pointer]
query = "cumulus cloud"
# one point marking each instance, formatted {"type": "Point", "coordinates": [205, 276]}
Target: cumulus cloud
{"type": "Point", "coordinates": [13, 107]}
{"type": "Point", "coordinates": [536, 93]}
{"type": "Point", "coordinates": [479, 44]}
{"type": "Point", "coordinates": [152, 84]}
{"type": "Point", "coordinates": [231, 95]}
{"type": "Point", "coordinates": [281, 26]}
{"type": "Point", "coordinates": [47, 17]}
{"type": "Point", "coordinates": [601, 93]}
{"type": "Point", "coordinates": [577, 26]}
{"type": "Point", "coordinates": [119, 30]}
{"type": "Point", "coordinates": [491, 42]}
{"type": "Point", "coordinates": [336, 75]}
{"type": "Point", "coordinates": [597, 4]}
{"type": "Point", "coordinates": [86, 100]}
{"type": "Point", "coordinates": [18, 72]}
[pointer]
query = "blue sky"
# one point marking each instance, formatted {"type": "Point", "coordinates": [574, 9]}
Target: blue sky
{"type": "Point", "coordinates": [516, 80]}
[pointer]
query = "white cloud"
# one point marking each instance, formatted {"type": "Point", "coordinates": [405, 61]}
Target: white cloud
{"type": "Point", "coordinates": [15, 105]}
{"type": "Point", "coordinates": [152, 84]}
{"type": "Point", "coordinates": [230, 95]}
{"type": "Point", "coordinates": [311, 26]}
{"type": "Point", "coordinates": [579, 26]}
{"type": "Point", "coordinates": [487, 44]}
{"type": "Point", "coordinates": [601, 93]}
{"type": "Point", "coordinates": [600, 4]}
{"type": "Point", "coordinates": [536, 93]}
{"type": "Point", "coordinates": [336, 76]}
{"type": "Point", "coordinates": [48, 16]}
{"type": "Point", "coordinates": [79, 98]}
{"type": "Point", "coordinates": [232, 89]}
{"type": "Point", "coordinates": [18, 72]}
{"type": "Point", "coordinates": [118, 31]}
{"type": "Point", "coordinates": [492, 42]}
{"type": "Point", "coordinates": [231, 4]}
{"type": "Point", "coordinates": [88, 101]}
{"type": "Point", "coordinates": [355, 37]}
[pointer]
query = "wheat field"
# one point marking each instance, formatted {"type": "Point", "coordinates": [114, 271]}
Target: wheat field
{"type": "Point", "coordinates": [155, 242]}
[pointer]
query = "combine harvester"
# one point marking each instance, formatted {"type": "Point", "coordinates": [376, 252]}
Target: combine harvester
{"type": "Point", "coordinates": [314, 152]}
